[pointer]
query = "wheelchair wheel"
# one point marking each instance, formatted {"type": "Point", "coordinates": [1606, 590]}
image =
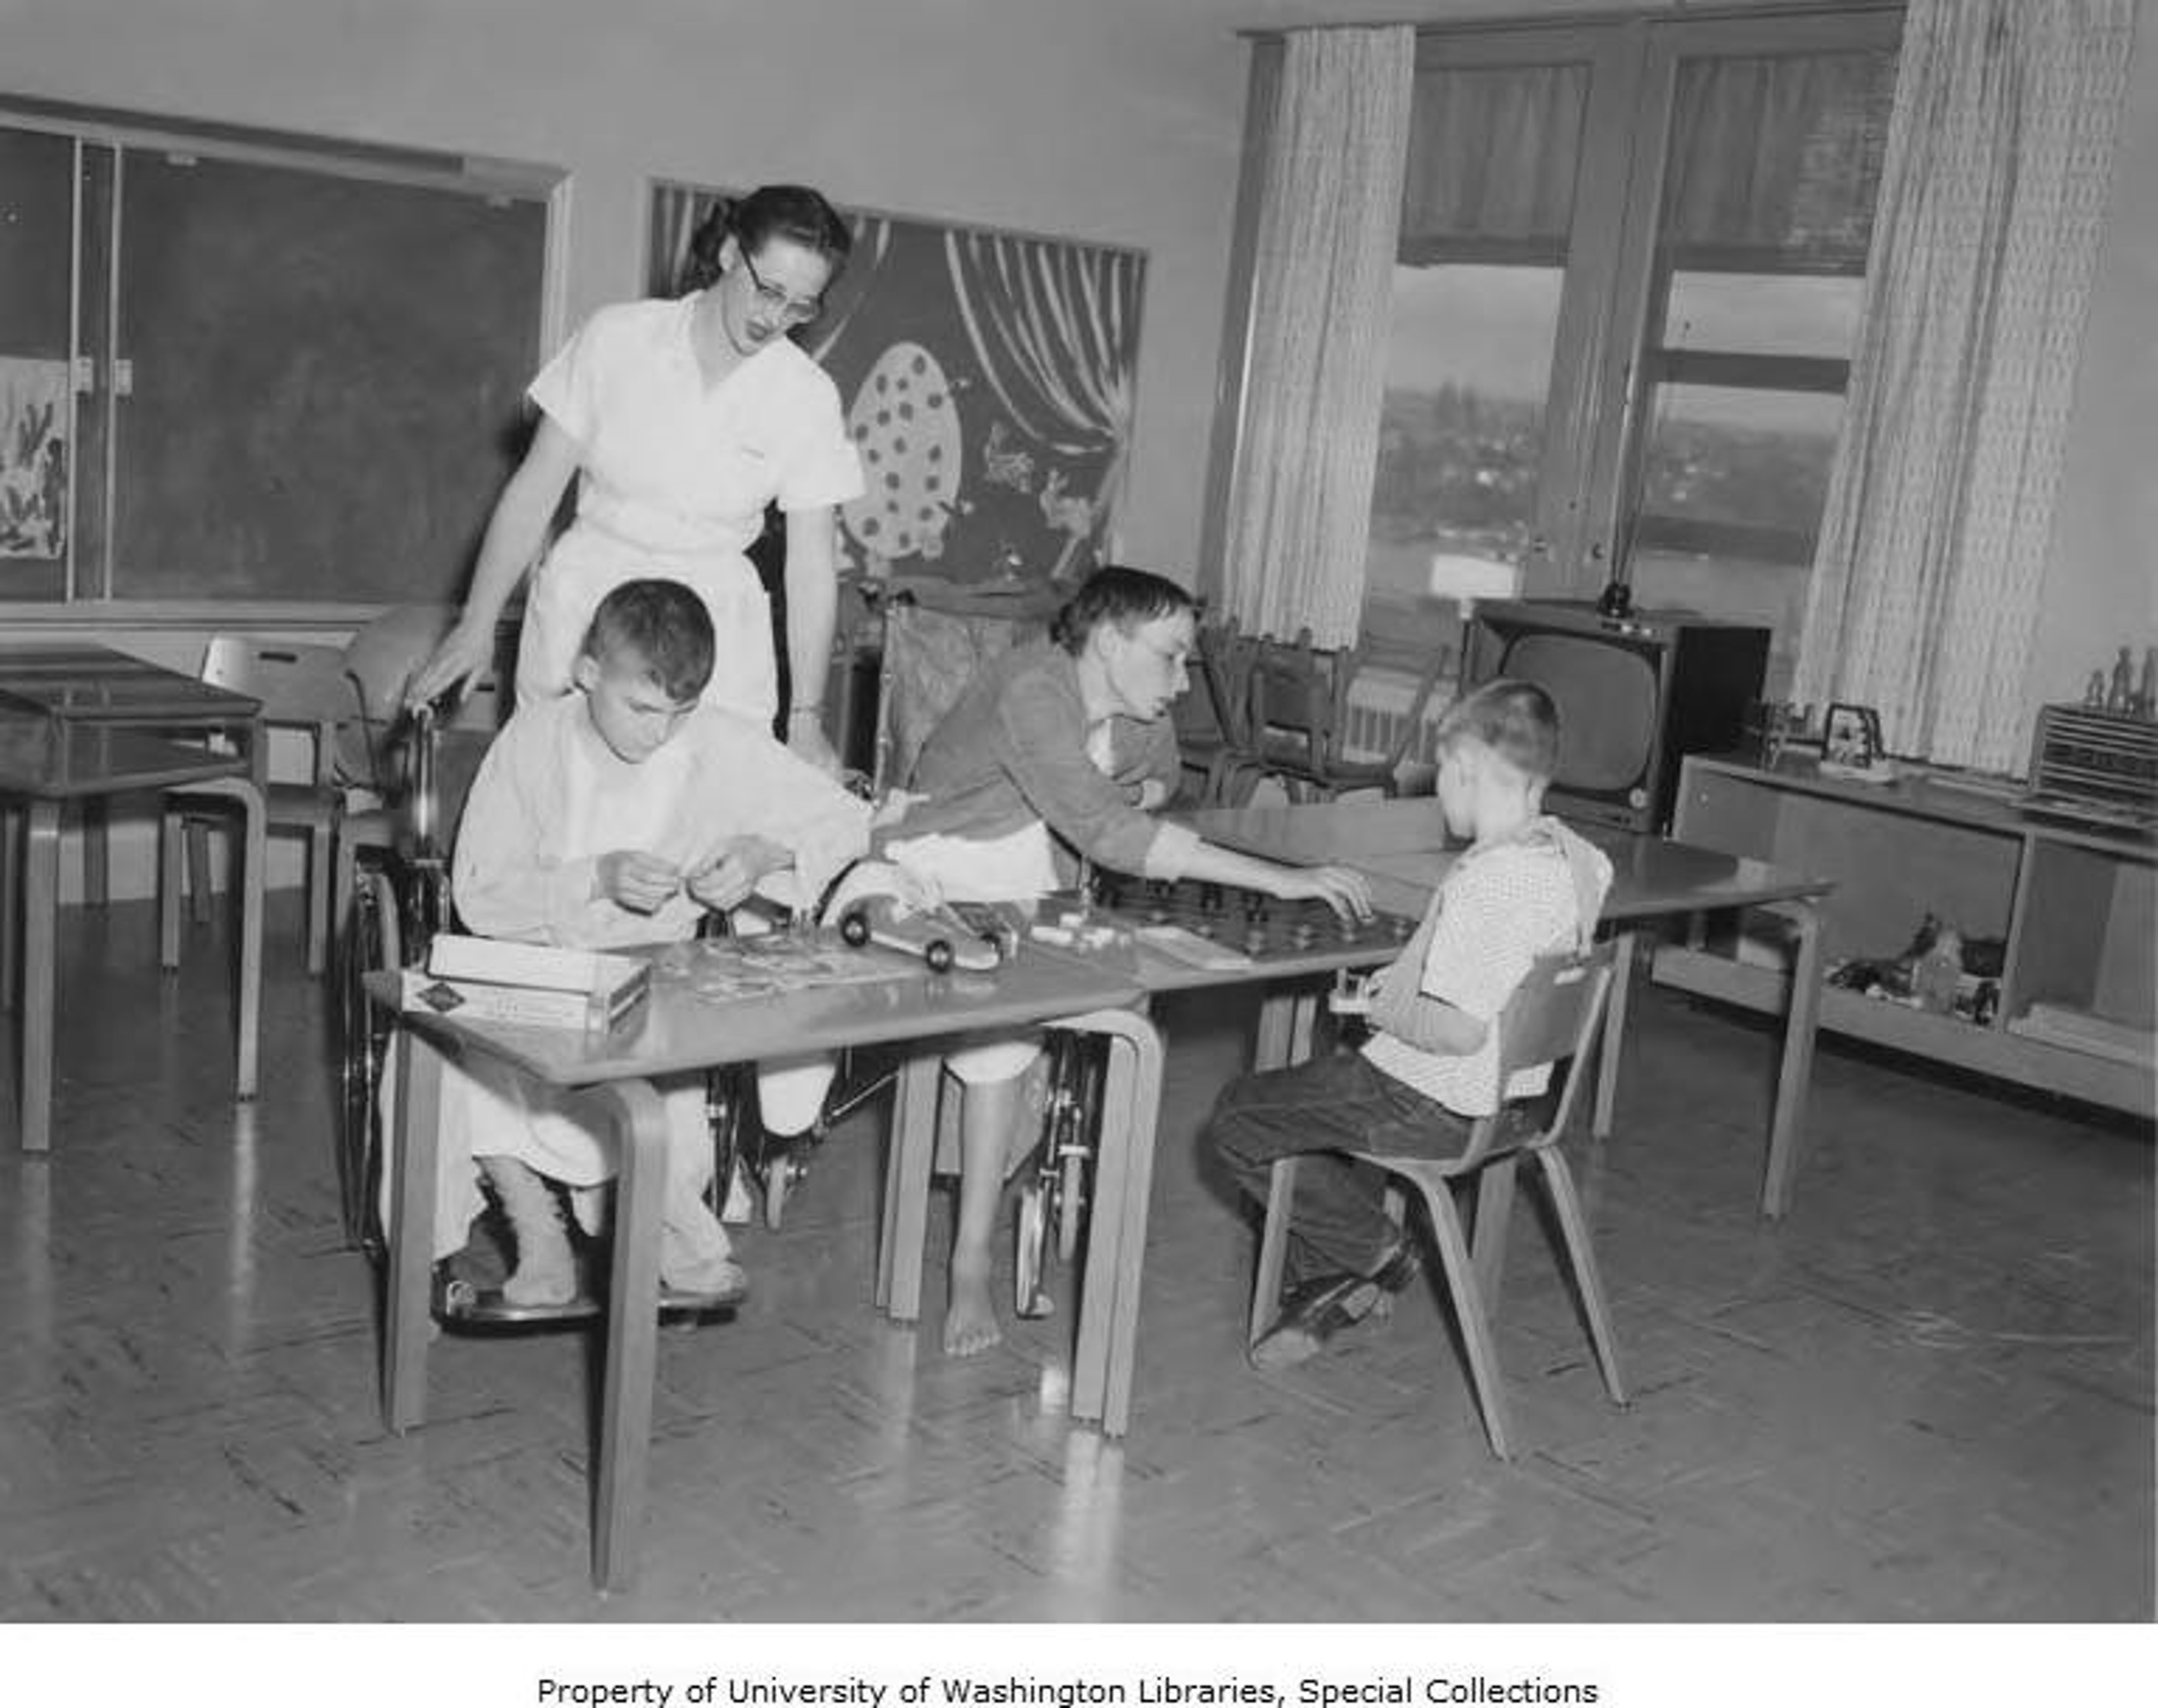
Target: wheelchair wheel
{"type": "Point", "coordinates": [782, 1171]}
{"type": "Point", "coordinates": [1029, 1296]}
{"type": "Point", "coordinates": [373, 943]}
{"type": "Point", "coordinates": [1071, 1194]}
{"type": "Point", "coordinates": [724, 1115]}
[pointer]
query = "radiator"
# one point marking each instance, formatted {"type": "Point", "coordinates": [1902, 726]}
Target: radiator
{"type": "Point", "coordinates": [1378, 704]}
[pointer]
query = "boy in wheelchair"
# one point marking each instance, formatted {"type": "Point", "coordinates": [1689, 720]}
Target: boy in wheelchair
{"type": "Point", "coordinates": [1054, 755]}
{"type": "Point", "coordinates": [1525, 887]}
{"type": "Point", "coordinates": [620, 814]}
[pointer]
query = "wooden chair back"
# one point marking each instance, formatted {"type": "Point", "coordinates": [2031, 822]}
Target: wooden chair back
{"type": "Point", "coordinates": [1550, 1020]}
{"type": "Point", "coordinates": [301, 687]}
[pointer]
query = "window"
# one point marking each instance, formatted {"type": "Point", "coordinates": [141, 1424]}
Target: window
{"type": "Point", "coordinates": [1624, 306]}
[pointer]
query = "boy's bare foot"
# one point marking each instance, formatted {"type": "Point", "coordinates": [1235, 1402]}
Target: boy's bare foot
{"type": "Point", "coordinates": [970, 1319]}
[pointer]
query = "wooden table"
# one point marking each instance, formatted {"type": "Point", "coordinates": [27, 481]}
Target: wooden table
{"type": "Point", "coordinates": [1399, 844]}
{"type": "Point", "coordinates": [84, 683]}
{"type": "Point", "coordinates": [44, 762]}
{"type": "Point", "coordinates": [678, 1032]}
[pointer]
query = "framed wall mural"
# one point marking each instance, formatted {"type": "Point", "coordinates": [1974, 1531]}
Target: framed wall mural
{"type": "Point", "coordinates": [34, 473]}
{"type": "Point", "coordinates": [987, 381]}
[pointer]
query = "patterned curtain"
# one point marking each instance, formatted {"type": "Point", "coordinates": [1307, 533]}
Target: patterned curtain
{"type": "Point", "coordinates": [1926, 583]}
{"type": "Point", "coordinates": [679, 209]}
{"type": "Point", "coordinates": [1054, 327]}
{"type": "Point", "coordinates": [1330, 214]}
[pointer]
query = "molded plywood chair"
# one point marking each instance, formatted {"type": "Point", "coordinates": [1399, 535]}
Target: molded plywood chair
{"type": "Point", "coordinates": [1296, 718]}
{"type": "Point", "coordinates": [302, 688]}
{"type": "Point", "coordinates": [1552, 1018]}
{"type": "Point", "coordinates": [1210, 716]}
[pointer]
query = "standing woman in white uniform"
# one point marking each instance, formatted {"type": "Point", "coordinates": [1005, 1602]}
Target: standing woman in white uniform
{"type": "Point", "coordinates": [685, 420]}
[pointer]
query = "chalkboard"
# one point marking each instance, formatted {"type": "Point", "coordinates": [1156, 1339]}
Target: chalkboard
{"type": "Point", "coordinates": [327, 379]}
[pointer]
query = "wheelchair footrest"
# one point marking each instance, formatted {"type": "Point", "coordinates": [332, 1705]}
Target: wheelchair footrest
{"type": "Point", "coordinates": [460, 1302]}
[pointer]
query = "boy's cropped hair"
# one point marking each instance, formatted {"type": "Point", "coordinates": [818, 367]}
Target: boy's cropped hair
{"type": "Point", "coordinates": [1126, 597]}
{"type": "Point", "coordinates": [664, 623]}
{"type": "Point", "coordinates": [1516, 720]}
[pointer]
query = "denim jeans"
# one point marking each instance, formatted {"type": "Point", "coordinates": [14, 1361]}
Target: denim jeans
{"type": "Point", "coordinates": [1330, 1104]}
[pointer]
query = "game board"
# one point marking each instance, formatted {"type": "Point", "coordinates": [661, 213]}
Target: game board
{"type": "Point", "coordinates": [1247, 922]}
{"type": "Point", "coordinates": [748, 968]}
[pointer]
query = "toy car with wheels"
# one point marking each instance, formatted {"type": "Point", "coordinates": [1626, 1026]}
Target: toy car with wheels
{"type": "Point", "coordinates": [938, 935]}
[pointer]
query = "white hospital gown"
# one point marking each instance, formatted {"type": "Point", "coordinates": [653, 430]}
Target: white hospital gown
{"type": "Point", "coordinates": [548, 801]}
{"type": "Point", "coordinates": [675, 477]}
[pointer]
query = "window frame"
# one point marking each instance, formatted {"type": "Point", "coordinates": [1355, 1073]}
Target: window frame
{"type": "Point", "coordinates": [1606, 360]}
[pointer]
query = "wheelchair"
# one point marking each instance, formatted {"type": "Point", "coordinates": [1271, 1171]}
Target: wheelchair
{"type": "Point", "coordinates": [400, 899]}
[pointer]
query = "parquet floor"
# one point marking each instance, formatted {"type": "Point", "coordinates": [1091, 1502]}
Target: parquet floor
{"type": "Point", "coordinates": [1928, 1397]}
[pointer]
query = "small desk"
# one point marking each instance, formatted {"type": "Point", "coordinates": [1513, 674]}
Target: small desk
{"type": "Point", "coordinates": [45, 761]}
{"type": "Point", "coordinates": [678, 1032]}
{"type": "Point", "coordinates": [84, 683]}
{"type": "Point", "coordinates": [1397, 843]}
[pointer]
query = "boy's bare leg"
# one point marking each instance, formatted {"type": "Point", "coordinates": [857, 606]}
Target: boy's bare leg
{"type": "Point", "coordinates": [695, 1255]}
{"type": "Point", "coordinates": [988, 1115]}
{"type": "Point", "coordinates": [545, 1273]}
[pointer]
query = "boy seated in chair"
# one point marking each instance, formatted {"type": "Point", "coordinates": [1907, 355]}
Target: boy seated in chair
{"type": "Point", "coordinates": [619, 814]}
{"type": "Point", "coordinates": [1056, 752]}
{"type": "Point", "coordinates": [1524, 887]}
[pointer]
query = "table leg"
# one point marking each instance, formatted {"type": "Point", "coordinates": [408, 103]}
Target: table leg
{"type": "Point", "coordinates": [639, 1118]}
{"type": "Point", "coordinates": [415, 1154]}
{"type": "Point", "coordinates": [1123, 1175]}
{"type": "Point", "coordinates": [11, 903]}
{"type": "Point", "coordinates": [1794, 1073]}
{"type": "Point", "coordinates": [248, 880]}
{"type": "Point", "coordinates": [96, 852]}
{"type": "Point", "coordinates": [41, 898]}
{"type": "Point", "coordinates": [910, 1154]}
{"type": "Point", "coordinates": [1611, 1041]}
{"type": "Point", "coordinates": [1286, 1016]}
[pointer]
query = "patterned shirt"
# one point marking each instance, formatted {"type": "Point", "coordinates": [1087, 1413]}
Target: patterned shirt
{"type": "Point", "coordinates": [1498, 910]}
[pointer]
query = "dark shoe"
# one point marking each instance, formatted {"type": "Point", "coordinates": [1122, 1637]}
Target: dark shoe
{"type": "Point", "coordinates": [1315, 1311]}
{"type": "Point", "coordinates": [1311, 1315]}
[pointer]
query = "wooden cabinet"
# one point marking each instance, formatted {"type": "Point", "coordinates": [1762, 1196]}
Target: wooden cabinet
{"type": "Point", "coordinates": [2076, 912]}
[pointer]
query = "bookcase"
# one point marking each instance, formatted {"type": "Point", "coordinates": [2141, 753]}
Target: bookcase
{"type": "Point", "coordinates": [2076, 911]}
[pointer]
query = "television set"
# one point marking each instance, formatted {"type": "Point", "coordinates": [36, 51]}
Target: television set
{"type": "Point", "coordinates": [1635, 693]}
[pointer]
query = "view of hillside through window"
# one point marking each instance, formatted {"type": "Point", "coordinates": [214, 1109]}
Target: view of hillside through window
{"type": "Point", "coordinates": [1461, 434]}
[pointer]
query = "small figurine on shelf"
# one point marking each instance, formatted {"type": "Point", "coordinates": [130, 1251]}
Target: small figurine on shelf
{"type": "Point", "coordinates": [2122, 698]}
{"type": "Point", "coordinates": [2147, 693]}
{"type": "Point", "coordinates": [2094, 692]}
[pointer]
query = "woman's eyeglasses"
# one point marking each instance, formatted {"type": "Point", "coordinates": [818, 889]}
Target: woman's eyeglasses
{"type": "Point", "coordinates": [791, 311]}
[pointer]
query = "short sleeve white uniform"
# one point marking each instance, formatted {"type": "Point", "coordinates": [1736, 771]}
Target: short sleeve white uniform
{"type": "Point", "coordinates": [676, 479]}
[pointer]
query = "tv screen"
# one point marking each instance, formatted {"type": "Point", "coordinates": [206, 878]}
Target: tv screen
{"type": "Point", "coordinates": [1606, 695]}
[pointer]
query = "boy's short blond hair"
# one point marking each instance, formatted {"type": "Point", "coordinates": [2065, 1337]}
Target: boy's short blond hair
{"type": "Point", "coordinates": [1516, 720]}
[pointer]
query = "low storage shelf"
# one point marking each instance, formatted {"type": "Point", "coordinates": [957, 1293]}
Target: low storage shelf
{"type": "Point", "coordinates": [2073, 911]}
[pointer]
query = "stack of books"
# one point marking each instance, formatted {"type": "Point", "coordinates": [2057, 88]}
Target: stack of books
{"type": "Point", "coordinates": [528, 984]}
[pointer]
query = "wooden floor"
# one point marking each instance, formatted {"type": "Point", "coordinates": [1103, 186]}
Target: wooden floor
{"type": "Point", "coordinates": [1927, 1396]}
